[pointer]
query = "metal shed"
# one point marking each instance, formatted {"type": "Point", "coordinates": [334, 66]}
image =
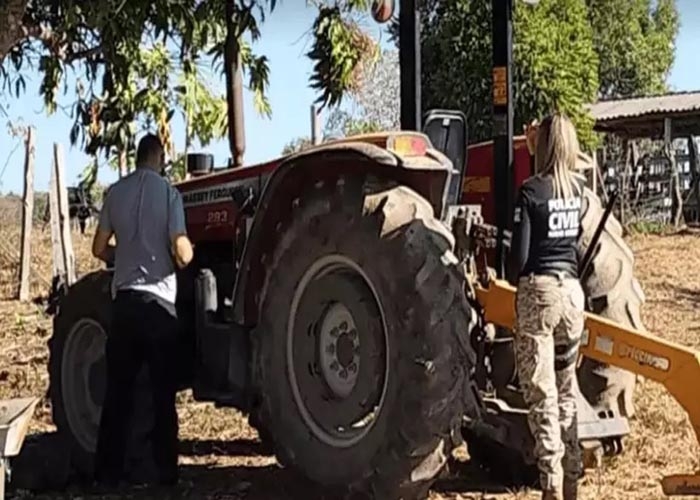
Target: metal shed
{"type": "Point", "coordinates": [665, 117]}
{"type": "Point", "coordinates": [644, 117]}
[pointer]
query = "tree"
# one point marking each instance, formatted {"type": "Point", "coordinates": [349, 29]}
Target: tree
{"type": "Point", "coordinates": [12, 12]}
{"type": "Point", "coordinates": [635, 45]}
{"type": "Point", "coordinates": [127, 52]}
{"type": "Point", "coordinates": [89, 183]}
{"type": "Point", "coordinates": [296, 145]}
{"type": "Point", "coordinates": [374, 106]}
{"type": "Point", "coordinates": [555, 65]}
{"type": "Point", "coordinates": [566, 54]}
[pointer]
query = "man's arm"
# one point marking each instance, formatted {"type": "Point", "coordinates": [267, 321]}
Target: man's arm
{"type": "Point", "coordinates": [101, 247]}
{"type": "Point", "coordinates": [520, 244]}
{"type": "Point", "coordinates": [180, 243]}
{"type": "Point", "coordinates": [100, 243]}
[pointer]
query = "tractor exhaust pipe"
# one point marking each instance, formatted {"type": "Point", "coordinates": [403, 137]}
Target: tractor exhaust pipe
{"type": "Point", "coordinates": [410, 65]}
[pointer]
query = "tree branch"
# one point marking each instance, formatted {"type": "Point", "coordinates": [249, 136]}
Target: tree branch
{"type": "Point", "coordinates": [83, 54]}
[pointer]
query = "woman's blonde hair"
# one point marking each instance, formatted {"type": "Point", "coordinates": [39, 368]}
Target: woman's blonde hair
{"type": "Point", "coordinates": [556, 154]}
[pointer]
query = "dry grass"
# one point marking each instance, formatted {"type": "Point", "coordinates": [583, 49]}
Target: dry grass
{"type": "Point", "coordinates": [222, 457]}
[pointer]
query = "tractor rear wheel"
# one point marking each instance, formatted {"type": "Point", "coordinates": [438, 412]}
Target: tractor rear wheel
{"type": "Point", "coordinates": [358, 362]}
{"type": "Point", "coordinates": [77, 375]}
{"type": "Point", "coordinates": [614, 293]}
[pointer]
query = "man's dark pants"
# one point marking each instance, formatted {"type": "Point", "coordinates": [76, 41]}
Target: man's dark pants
{"type": "Point", "coordinates": [144, 330]}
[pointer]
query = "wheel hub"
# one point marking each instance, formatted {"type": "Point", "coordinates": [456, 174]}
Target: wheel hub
{"type": "Point", "coordinates": [339, 346]}
{"type": "Point", "coordinates": [337, 351]}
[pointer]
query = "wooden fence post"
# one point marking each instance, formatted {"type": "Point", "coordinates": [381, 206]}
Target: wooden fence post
{"type": "Point", "coordinates": [27, 218]}
{"type": "Point", "coordinates": [674, 184]}
{"type": "Point", "coordinates": [59, 268]}
{"type": "Point", "coordinates": [63, 219]}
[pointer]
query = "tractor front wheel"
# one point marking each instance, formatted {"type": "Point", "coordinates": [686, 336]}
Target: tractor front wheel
{"type": "Point", "coordinates": [358, 362]}
{"type": "Point", "coordinates": [77, 375]}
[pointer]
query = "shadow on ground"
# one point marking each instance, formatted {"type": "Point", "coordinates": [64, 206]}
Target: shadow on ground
{"type": "Point", "coordinates": [467, 478]}
{"type": "Point", "coordinates": [42, 473]}
{"type": "Point", "coordinates": [207, 447]}
{"type": "Point", "coordinates": [685, 293]}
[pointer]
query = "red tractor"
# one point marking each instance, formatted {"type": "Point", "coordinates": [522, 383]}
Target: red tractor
{"type": "Point", "coordinates": [332, 299]}
{"type": "Point", "coordinates": [327, 302]}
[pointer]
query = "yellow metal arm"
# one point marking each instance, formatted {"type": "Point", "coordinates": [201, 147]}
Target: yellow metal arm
{"type": "Point", "coordinates": [675, 366]}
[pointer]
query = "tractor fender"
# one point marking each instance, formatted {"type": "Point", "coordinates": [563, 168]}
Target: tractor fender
{"type": "Point", "coordinates": [426, 175]}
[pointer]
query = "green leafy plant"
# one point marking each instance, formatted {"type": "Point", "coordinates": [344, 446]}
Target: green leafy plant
{"type": "Point", "coordinates": [567, 53]}
{"type": "Point", "coordinates": [139, 62]}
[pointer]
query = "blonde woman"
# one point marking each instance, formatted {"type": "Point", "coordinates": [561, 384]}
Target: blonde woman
{"type": "Point", "coordinates": [550, 302]}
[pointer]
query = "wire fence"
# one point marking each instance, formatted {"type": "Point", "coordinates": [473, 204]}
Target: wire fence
{"type": "Point", "coordinates": [41, 268]}
{"type": "Point", "coordinates": [645, 184]}
{"type": "Point", "coordinates": [10, 244]}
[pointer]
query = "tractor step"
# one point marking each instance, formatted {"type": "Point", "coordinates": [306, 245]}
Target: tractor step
{"type": "Point", "coordinates": [591, 427]}
{"type": "Point", "coordinates": [603, 428]}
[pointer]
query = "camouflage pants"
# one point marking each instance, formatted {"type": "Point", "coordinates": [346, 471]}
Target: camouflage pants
{"type": "Point", "coordinates": [548, 332]}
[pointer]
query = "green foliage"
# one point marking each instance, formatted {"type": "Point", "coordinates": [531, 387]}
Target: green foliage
{"type": "Point", "coordinates": [554, 61]}
{"type": "Point", "coordinates": [204, 113]}
{"type": "Point", "coordinates": [89, 182]}
{"type": "Point", "coordinates": [132, 58]}
{"type": "Point", "coordinates": [648, 227]}
{"type": "Point", "coordinates": [345, 126]}
{"type": "Point", "coordinates": [178, 168]}
{"type": "Point", "coordinates": [456, 60]}
{"type": "Point", "coordinates": [41, 207]}
{"type": "Point", "coordinates": [342, 123]}
{"type": "Point", "coordinates": [635, 45]}
{"type": "Point", "coordinates": [567, 54]}
{"type": "Point", "coordinates": [374, 106]}
{"type": "Point", "coordinates": [342, 52]}
{"type": "Point", "coordinates": [357, 127]}
{"type": "Point", "coordinates": [296, 145]}
{"type": "Point", "coordinates": [138, 62]}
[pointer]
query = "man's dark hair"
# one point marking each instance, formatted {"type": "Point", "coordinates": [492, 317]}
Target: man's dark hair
{"type": "Point", "coordinates": [150, 149]}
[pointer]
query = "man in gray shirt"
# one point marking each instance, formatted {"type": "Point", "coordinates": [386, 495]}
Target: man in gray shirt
{"type": "Point", "coordinates": [145, 215]}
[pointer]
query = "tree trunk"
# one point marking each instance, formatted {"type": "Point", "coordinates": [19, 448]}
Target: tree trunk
{"type": "Point", "coordinates": [11, 16]}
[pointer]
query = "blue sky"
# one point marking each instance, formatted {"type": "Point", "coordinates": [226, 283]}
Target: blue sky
{"type": "Point", "coordinates": [285, 39]}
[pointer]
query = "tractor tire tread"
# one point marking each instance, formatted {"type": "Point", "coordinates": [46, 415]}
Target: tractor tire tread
{"type": "Point", "coordinates": [433, 363]}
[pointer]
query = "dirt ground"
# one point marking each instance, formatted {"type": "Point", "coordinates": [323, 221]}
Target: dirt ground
{"type": "Point", "coordinates": [221, 457]}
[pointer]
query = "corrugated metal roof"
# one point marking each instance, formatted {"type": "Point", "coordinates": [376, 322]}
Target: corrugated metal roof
{"type": "Point", "coordinates": [681, 102]}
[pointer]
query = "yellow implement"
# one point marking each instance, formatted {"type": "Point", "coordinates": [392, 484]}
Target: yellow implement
{"type": "Point", "coordinates": [675, 366]}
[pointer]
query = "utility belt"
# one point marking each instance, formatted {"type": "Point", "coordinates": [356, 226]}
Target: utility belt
{"type": "Point", "coordinates": [559, 275]}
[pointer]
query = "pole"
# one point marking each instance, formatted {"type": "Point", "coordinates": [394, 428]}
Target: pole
{"type": "Point", "coordinates": [502, 122]}
{"type": "Point", "coordinates": [409, 62]}
{"type": "Point", "coordinates": [315, 126]}
{"type": "Point", "coordinates": [234, 88]}
{"type": "Point", "coordinates": [27, 218]}
{"type": "Point", "coordinates": [63, 215]}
